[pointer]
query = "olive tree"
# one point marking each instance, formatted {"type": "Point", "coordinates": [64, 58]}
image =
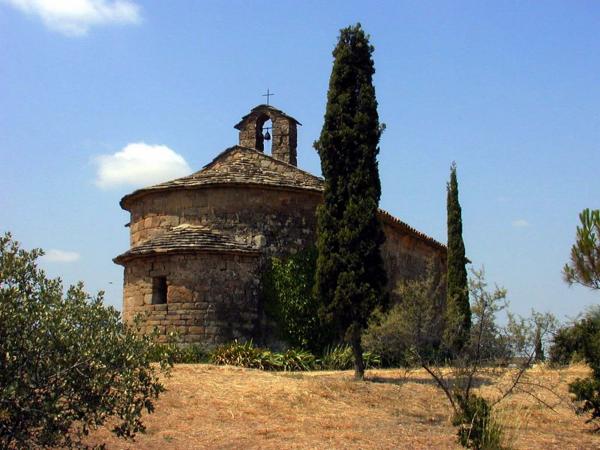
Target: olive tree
{"type": "Point", "coordinates": [67, 362]}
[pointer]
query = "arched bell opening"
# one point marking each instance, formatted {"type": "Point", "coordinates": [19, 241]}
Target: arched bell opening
{"type": "Point", "coordinates": [270, 130]}
{"type": "Point", "coordinates": [264, 133]}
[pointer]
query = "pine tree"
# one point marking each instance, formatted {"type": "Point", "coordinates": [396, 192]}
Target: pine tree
{"type": "Point", "coordinates": [584, 267]}
{"type": "Point", "coordinates": [458, 311]}
{"type": "Point", "coordinates": [350, 278]}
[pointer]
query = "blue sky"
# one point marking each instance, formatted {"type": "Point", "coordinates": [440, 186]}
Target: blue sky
{"type": "Point", "coordinates": [508, 90]}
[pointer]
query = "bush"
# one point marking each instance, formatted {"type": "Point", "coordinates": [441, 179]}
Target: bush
{"type": "Point", "coordinates": [295, 360]}
{"type": "Point", "coordinates": [68, 363]}
{"type": "Point", "coordinates": [416, 322]}
{"type": "Point", "coordinates": [176, 352]}
{"type": "Point", "coordinates": [569, 341]}
{"type": "Point", "coordinates": [247, 355]}
{"type": "Point", "coordinates": [340, 357]}
{"type": "Point", "coordinates": [586, 392]}
{"type": "Point", "coordinates": [289, 300]}
{"type": "Point", "coordinates": [476, 427]}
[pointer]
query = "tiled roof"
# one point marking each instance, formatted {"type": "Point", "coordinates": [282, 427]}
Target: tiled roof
{"type": "Point", "coordinates": [240, 165]}
{"type": "Point", "coordinates": [386, 217]}
{"type": "Point", "coordinates": [243, 165]}
{"type": "Point", "coordinates": [186, 239]}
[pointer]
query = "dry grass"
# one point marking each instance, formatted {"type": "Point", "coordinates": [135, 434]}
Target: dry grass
{"type": "Point", "coordinates": [231, 408]}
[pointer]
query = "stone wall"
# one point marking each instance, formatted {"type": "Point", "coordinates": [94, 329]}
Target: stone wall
{"type": "Point", "coordinates": [211, 298]}
{"type": "Point", "coordinates": [216, 297]}
{"type": "Point", "coordinates": [406, 257]}
{"type": "Point", "coordinates": [284, 133]}
{"type": "Point", "coordinates": [277, 221]}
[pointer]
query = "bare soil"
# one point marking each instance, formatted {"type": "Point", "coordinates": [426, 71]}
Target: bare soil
{"type": "Point", "coordinates": [209, 406]}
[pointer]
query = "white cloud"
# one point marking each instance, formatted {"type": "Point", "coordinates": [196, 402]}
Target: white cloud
{"type": "Point", "coordinates": [60, 256]}
{"type": "Point", "coordinates": [140, 164]}
{"type": "Point", "coordinates": [520, 223]}
{"type": "Point", "coordinates": [75, 17]}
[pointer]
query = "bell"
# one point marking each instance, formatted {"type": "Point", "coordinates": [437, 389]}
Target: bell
{"type": "Point", "coordinates": [267, 136]}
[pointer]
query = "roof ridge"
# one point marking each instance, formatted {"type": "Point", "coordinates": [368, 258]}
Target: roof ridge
{"type": "Point", "coordinates": [394, 220]}
{"type": "Point", "coordinates": [279, 161]}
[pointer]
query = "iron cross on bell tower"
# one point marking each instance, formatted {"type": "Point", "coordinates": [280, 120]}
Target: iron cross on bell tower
{"type": "Point", "coordinates": [268, 94]}
{"type": "Point", "coordinates": [267, 136]}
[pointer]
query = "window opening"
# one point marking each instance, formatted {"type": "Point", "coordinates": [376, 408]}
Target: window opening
{"type": "Point", "coordinates": [159, 290]}
{"type": "Point", "coordinates": [267, 135]}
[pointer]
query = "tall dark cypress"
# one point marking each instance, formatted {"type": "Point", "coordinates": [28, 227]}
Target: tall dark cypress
{"type": "Point", "coordinates": [350, 279]}
{"type": "Point", "coordinates": [458, 310]}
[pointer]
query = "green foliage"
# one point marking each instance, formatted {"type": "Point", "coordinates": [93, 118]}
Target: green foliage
{"type": "Point", "coordinates": [458, 313]}
{"type": "Point", "coordinates": [340, 357]}
{"type": "Point", "coordinates": [487, 343]}
{"type": "Point", "coordinates": [290, 301]}
{"type": "Point", "coordinates": [584, 267]}
{"type": "Point", "coordinates": [176, 352]}
{"type": "Point", "coordinates": [296, 360]}
{"type": "Point", "coordinates": [245, 354]}
{"type": "Point", "coordinates": [527, 337]}
{"type": "Point", "coordinates": [586, 392]}
{"type": "Point", "coordinates": [476, 427]}
{"type": "Point", "coordinates": [568, 344]}
{"type": "Point", "coordinates": [416, 322]}
{"type": "Point", "coordinates": [68, 363]}
{"type": "Point", "coordinates": [350, 278]}
{"type": "Point", "coordinates": [584, 337]}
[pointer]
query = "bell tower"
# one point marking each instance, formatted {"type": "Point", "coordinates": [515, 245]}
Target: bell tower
{"type": "Point", "coordinates": [284, 132]}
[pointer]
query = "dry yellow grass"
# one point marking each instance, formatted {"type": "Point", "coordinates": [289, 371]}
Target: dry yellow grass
{"type": "Point", "coordinates": [231, 408]}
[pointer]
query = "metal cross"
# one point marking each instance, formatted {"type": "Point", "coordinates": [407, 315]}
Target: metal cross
{"type": "Point", "coordinates": [268, 94]}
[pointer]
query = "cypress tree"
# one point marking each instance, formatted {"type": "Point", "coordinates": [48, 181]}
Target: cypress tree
{"type": "Point", "coordinates": [350, 278]}
{"type": "Point", "coordinates": [458, 311]}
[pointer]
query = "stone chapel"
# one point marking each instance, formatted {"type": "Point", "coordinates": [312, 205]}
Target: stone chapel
{"type": "Point", "coordinates": [199, 243]}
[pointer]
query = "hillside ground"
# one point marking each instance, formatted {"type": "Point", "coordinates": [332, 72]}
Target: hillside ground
{"type": "Point", "coordinates": [209, 406]}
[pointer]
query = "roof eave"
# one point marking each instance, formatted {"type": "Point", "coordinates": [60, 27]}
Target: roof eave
{"type": "Point", "coordinates": [126, 257]}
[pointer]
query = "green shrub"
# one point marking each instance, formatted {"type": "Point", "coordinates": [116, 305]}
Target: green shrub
{"type": "Point", "coordinates": [416, 322]}
{"type": "Point", "coordinates": [295, 360]}
{"type": "Point", "coordinates": [68, 363]}
{"type": "Point", "coordinates": [340, 357]}
{"type": "Point", "coordinates": [245, 354]}
{"type": "Point", "coordinates": [241, 354]}
{"type": "Point", "coordinates": [176, 352]}
{"type": "Point", "coordinates": [191, 354]}
{"type": "Point", "coordinates": [569, 341]}
{"type": "Point", "coordinates": [476, 427]}
{"type": "Point", "coordinates": [289, 300]}
{"type": "Point", "coordinates": [586, 392]}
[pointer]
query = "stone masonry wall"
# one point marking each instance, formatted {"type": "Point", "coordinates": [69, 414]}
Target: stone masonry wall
{"type": "Point", "coordinates": [406, 257]}
{"type": "Point", "coordinates": [214, 298]}
{"type": "Point", "coordinates": [211, 298]}
{"type": "Point", "coordinates": [276, 221]}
